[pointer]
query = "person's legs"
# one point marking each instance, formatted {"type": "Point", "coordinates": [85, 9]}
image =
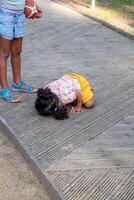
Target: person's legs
{"type": "Point", "coordinates": [90, 103]}
{"type": "Point", "coordinates": [7, 21]}
{"type": "Point", "coordinates": [6, 92]}
{"type": "Point", "coordinates": [5, 46]}
{"type": "Point", "coordinates": [16, 48]}
{"type": "Point", "coordinates": [18, 84]}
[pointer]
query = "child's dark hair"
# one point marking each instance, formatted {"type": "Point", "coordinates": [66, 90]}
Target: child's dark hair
{"type": "Point", "coordinates": [47, 103]}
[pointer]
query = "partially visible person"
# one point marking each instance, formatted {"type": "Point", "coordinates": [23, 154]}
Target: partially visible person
{"type": "Point", "coordinates": [70, 88]}
{"type": "Point", "coordinates": [12, 21]}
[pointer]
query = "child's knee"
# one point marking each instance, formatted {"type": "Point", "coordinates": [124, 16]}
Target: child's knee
{"type": "Point", "coordinates": [90, 103]}
{"type": "Point", "coordinates": [4, 53]}
{"type": "Point", "coordinates": [16, 51]}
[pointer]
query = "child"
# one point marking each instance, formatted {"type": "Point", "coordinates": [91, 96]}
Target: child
{"type": "Point", "coordinates": [70, 88]}
{"type": "Point", "coordinates": [12, 22]}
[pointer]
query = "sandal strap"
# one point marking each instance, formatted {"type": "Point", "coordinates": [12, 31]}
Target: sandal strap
{"type": "Point", "coordinates": [7, 95]}
{"type": "Point", "coordinates": [29, 87]}
{"type": "Point", "coordinates": [23, 86]}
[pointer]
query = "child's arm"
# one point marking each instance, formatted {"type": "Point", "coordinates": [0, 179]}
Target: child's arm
{"type": "Point", "coordinates": [78, 106]}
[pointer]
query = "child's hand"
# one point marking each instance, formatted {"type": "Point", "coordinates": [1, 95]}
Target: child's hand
{"type": "Point", "coordinates": [76, 109]}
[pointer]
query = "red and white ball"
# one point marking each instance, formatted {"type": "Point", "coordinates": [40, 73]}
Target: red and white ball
{"type": "Point", "coordinates": [32, 10]}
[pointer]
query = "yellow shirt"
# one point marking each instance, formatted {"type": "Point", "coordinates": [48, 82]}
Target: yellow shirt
{"type": "Point", "coordinates": [86, 89]}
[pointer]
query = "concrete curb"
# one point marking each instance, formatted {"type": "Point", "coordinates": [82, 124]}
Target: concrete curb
{"type": "Point", "coordinates": [128, 35]}
{"type": "Point", "coordinates": [51, 189]}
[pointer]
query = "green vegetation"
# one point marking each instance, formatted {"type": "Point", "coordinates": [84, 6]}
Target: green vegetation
{"type": "Point", "coordinates": [124, 6]}
{"type": "Point", "coordinates": [117, 2]}
{"type": "Point", "coordinates": [117, 12]}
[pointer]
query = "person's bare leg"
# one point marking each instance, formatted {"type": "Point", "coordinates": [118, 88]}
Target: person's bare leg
{"type": "Point", "coordinates": [90, 103]}
{"type": "Point", "coordinates": [5, 46]}
{"type": "Point", "coordinates": [16, 48]}
{"type": "Point", "coordinates": [5, 49]}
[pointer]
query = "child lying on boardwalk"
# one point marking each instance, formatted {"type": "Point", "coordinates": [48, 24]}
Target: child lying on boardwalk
{"type": "Point", "coordinates": [70, 88]}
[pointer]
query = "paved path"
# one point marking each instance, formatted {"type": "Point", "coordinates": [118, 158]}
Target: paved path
{"type": "Point", "coordinates": [90, 155]}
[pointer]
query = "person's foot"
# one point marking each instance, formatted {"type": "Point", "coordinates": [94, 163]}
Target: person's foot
{"type": "Point", "coordinates": [8, 95]}
{"type": "Point", "coordinates": [23, 87]}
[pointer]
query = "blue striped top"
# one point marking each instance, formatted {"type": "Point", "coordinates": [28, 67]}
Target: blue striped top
{"type": "Point", "coordinates": [12, 4]}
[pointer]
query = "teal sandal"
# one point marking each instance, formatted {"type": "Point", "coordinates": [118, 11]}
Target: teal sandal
{"type": "Point", "coordinates": [9, 96]}
{"type": "Point", "coordinates": [23, 87]}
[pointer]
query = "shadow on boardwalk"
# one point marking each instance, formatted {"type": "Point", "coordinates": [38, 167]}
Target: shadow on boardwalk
{"type": "Point", "coordinates": [90, 155]}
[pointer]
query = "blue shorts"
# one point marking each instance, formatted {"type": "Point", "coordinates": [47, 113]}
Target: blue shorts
{"type": "Point", "coordinates": [11, 24]}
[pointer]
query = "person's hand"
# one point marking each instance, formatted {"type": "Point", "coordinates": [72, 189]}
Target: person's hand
{"type": "Point", "coordinates": [36, 15]}
{"type": "Point", "coordinates": [76, 109]}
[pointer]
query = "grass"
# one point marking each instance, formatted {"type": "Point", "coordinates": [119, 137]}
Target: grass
{"type": "Point", "coordinates": [126, 7]}
{"type": "Point", "coordinates": [117, 12]}
{"type": "Point", "coordinates": [117, 3]}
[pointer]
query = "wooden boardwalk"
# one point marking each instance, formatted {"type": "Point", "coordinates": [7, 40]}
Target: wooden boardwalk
{"type": "Point", "coordinates": [89, 156]}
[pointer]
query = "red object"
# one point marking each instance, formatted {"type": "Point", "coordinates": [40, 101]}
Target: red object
{"type": "Point", "coordinates": [32, 10]}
